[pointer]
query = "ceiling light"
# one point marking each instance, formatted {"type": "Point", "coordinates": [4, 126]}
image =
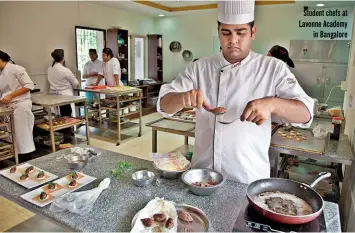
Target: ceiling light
{"type": "Point", "coordinates": [161, 15]}
{"type": "Point", "coordinates": [320, 4]}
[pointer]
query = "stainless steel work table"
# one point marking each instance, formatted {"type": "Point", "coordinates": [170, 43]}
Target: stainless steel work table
{"type": "Point", "coordinates": [170, 126]}
{"type": "Point", "coordinates": [48, 101]}
{"type": "Point", "coordinates": [117, 94]}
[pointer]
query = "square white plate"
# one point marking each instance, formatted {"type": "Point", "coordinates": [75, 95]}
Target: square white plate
{"type": "Point", "coordinates": [31, 181]}
{"type": "Point", "coordinates": [63, 182]}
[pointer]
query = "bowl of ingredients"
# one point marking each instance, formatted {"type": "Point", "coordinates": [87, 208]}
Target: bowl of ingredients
{"type": "Point", "coordinates": [171, 173]}
{"type": "Point", "coordinates": [143, 178]}
{"type": "Point", "coordinates": [203, 182]}
{"type": "Point", "coordinates": [77, 162]}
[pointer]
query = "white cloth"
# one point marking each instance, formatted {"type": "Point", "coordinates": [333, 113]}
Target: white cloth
{"type": "Point", "coordinates": [238, 150]}
{"type": "Point", "coordinates": [236, 11]}
{"type": "Point", "coordinates": [61, 80]}
{"type": "Point", "coordinates": [111, 68]}
{"type": "Point", "coordinates": [12, 78]}
{"type": "Point", "coordinates": [93, 67]}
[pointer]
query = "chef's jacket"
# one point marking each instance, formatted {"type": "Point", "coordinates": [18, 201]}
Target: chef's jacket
{"type": "Point", "coordinates": [14, 77]}
{"type": "Point", "coordinates": [93, 67]}
{"type": "Point", "coordinates": [238, 150]}
{"type": "Point", "coordinates": [111, 68]}
{"type": "Point", "coordinates": [61, 80]}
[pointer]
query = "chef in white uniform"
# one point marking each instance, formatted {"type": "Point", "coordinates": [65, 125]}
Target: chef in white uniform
{"type": "Point", "coordinates": [92, 69]}
{"type": "Point", "coordinates": [245, 83]}
{"type": "Point", "coordinates": [112, 69]}
{"type": "Point", "coordinates": [61, 82]}
{"type": "Point", "coordinates": [15, 86]}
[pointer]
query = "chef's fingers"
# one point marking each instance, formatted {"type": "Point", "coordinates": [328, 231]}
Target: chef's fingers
{"type": "Point", "coordinates": [251, 117]}
{"type": "Point", "coordinates": [206, 106]}
{"type": "Point", "coordinates": [246, 113]}
{"type": "Point", "coordinates": [193, 98]}
{"type": "Point", "coordinates": [187, 100]}
{"type": "Point", "coordinates": [260, 122]}
{"type": "Point", "coordinates": [199, 100]}
{"type": "Point", "coordinates": [257, 118]}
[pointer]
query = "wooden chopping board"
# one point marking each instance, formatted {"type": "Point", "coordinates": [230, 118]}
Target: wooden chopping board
{"type": "Point", "coordinates": [12, 214]}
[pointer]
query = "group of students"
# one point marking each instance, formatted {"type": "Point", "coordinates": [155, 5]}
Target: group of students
{"type": "Point", "coordinates": [15, 87]}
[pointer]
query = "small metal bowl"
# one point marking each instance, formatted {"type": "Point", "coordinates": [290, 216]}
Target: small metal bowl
{"type": "Point", "coordinates": [77, 162]}
{"type": "Point", "coordinates": [202, 175]}
{"type": "Point", "coordinates": [171, 174]}
{"type": "Point", "coordinates": [143, 178]}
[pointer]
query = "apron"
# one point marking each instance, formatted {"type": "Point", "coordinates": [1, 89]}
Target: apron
{"type": "Point", "coordinates": [68, 92]}
{"type": "Point", "coordinates": [24, 123]}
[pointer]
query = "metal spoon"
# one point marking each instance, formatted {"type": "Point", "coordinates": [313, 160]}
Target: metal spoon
{"type": "Point", "coordinates": [227, 123]}
{"type": "Point", "coordinates": [216, 111]}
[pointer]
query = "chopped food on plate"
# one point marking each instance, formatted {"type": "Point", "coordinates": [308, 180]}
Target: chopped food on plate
{"type": "Point", "coordinates": [40, 175]}
{"type": "Point", "coordinates": [24, 177]}
{"type": "Point", "coordinates": [29, 170]}
{"type": "Point", "coordinates": [147, 222]}
{"type": "Point", "coordinates": [43, 196]}
{"type": "Point", "coordinates": [159, 217]}
{"type": "Point", "coordinates": [74, 175]}
{"type": "Point", "coordinates": [13, 170]}
{"type": "Point", "coordinates": [170, 223]}
{"type": "Point", "coordinates": [73, 183]}
{"type": "Point", "coordinates": [52, 186]}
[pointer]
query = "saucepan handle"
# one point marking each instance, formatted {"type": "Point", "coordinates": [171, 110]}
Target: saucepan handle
{"type": "Point", "coordinates": [322, 176]}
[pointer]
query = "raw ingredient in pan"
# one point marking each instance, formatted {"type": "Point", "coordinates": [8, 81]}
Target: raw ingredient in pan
{"type": "Point", "coordinates": [147, 222]}
{"type": "Point", "coordinates": [159, 217]}
{"type": "Point", "coordinates": [170, 223]}
{"type": "Point", "coordinates": [283, 203]}
{"type": "Point", "coordinates": [209, 183]}
{"type": "Point", "coordinates": [186, 217]}
{"type": "Point", "coordinates": [13, 170]}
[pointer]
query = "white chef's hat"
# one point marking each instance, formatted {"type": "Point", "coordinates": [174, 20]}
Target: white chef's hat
{"type": "Point", "coordinates": [236, 11]}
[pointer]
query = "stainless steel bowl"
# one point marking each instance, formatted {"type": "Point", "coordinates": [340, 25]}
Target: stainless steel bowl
{"type": "Point", "coordinates": [171, 174]}
{"type": "Point", "coordinates": [77, 162]}
{"type": "Point", "coordinates": [202, 175]}
{"type": "Point", "coordinates": [143, 178]}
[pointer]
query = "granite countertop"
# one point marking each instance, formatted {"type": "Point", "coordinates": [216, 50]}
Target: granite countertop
{"type": "Point", "coordinates": [48, 100]}
{"type": "Point", "coordinates": [116, 206]}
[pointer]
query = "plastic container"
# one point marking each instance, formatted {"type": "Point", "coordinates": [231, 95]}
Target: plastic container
{"type": "Point", "coordinates": [132, 108]}
{"type": "Point", "coordinates": [125, 111]}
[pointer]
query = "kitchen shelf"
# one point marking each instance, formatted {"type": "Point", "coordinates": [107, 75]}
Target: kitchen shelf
{"type": "Point", "coordinates": [3, 124]}
{"type": "Point", "coordinates": [7, 134]}
{"type": "Point", "coordinates": [56, 128]}
{"type": "Point", "coordinates": [4, 144]}
{"type": "Point", "coordinates": [68, 139]}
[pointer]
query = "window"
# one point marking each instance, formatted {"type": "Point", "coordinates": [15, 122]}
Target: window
{"type": "Point", "coordinates": [88, 38]}
{"type": "Point", "coordinates": [138, 57]}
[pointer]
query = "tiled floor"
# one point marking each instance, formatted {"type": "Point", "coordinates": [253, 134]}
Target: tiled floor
{"type": "Point", "coordinates": [140, 147]}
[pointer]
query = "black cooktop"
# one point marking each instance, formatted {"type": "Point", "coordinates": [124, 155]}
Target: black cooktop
{"type": "Point", "coordinates": [248, 215]}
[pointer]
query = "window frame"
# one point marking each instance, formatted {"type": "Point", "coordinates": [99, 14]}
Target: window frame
{"type": "Point", "coordinates": [132, 57]}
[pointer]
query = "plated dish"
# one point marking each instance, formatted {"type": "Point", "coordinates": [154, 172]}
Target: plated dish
{"type": "Point", "coordinates": [28, 175]}
{"type": "Point", "coordinates": [46, 194]}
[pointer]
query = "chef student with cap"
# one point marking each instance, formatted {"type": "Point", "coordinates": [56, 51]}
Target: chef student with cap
{"type": "Point", "coordinates": [92, 69]}
{"type": "Point", "coordinates": [112, 69]}
{"type": "Point", "coordinates": [15, 86]}
{"type": "Point", "coordinates": [245, 83]}
{"type": "Point", "coordinates": [282, 54]}
{"type": "Point", "coordinates": [61, 82]}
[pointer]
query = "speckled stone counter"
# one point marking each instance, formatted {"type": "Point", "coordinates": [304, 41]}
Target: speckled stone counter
{"type": "Point", "coordinates": [116, 206]}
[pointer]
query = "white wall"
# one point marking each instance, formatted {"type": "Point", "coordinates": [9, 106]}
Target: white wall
{"type": "Point", "coordinates": [30, 31]}
{"type": "Point", "coordinates": [195, 31]}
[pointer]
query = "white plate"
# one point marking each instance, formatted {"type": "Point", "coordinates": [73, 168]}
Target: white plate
{"type": "Point", "coordinates": [63, 182]}
{"type": "Point", "coordinates": [31, 182]}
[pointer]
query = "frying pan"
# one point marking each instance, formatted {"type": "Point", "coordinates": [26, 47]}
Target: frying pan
{"type": "Point", "coordinates": [301, 190]}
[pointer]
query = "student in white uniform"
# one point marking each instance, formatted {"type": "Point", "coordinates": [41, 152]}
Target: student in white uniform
{"type": "Point", "coordinates": [112, 69]}
{"type": "Point", "coordinates": [245, 83]}
{"type": "Point", "coordinates": [92, 69]}
{"type": "Point", "coordinates": [61, 81]}
{"type": "Point", "coordinates": [15, 86]}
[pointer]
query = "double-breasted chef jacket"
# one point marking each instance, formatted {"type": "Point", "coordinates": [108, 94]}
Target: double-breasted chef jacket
{"type": "Point", "coordinates": [93, 67]}
{"type": "Point", "coordinates": [111, 68]}
{"type": "Point", "coordinates": [14, 77]}
{"type": "Point", "coordinates": [238, 150]}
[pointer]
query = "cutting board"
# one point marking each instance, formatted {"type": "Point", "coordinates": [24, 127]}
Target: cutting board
{"type": "Point", "coordinates": [12, 214]}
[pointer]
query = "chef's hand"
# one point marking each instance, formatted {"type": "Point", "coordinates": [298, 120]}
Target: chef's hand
{"type": "Point", "coordinates": [258, 111]}
{"type": "Point", "coordinates": [192, 99]}
{"type": "Point", "coordinates": [7, 99]}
